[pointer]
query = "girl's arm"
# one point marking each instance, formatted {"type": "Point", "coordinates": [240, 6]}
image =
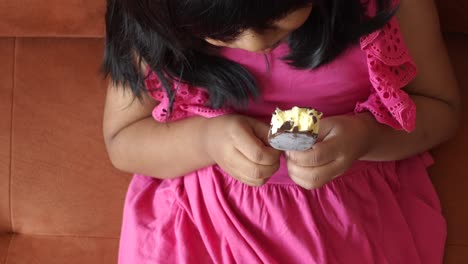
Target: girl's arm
{"type": "Point", "coordinates": [434, 90]}
{"type": "Point", "coordinates": [345, 139]}
{"type": "Point", "coordinates": [136, 143]}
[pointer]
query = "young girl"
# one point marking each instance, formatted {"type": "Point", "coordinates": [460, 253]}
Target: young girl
{"type": "Point", "coordinates": [208, 75]}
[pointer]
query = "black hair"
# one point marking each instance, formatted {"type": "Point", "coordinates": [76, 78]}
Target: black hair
{"type": "Point", "coordinates": [169, 36]}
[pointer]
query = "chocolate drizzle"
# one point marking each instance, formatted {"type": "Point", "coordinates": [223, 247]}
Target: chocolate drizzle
{"type": "Point", "coordinates": [287, 126]}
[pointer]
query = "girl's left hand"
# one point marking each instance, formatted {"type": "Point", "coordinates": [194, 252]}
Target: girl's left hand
{"type": "Point", "coordinates": [341, 141]}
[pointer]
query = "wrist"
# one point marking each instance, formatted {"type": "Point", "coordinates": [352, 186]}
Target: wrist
{"type": "Point", "coordinates": [371, 130]}
{"type": "Point", "coordinates": [207, 136]}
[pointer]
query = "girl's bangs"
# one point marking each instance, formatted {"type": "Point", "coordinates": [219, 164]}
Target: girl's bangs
{"type": "Point", "coordinates": [225, 19]}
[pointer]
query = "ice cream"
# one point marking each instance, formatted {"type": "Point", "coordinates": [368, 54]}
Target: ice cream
{"type": "Point", "coordinates": [294, 129]}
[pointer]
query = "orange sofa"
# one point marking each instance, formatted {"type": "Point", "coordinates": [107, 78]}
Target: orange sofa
{"type": "Point", "coordinates": [60, 199]}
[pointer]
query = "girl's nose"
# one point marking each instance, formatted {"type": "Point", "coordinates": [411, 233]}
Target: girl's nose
{"type": "Point", "coordinates": [253, 41]}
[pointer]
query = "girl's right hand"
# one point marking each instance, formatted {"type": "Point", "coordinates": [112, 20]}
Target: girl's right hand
{"type": "Point", "coordinates": [239, 145]}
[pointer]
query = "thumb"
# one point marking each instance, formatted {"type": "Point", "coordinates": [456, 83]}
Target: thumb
{"type": "Point", "coordinates": [325, 127]}
{"type": "Point", "coordinates": [260, 130]}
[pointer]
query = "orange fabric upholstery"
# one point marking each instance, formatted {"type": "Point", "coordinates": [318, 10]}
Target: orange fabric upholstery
{"type": "Point", "coordinates": [60, 199]}
{"type": "Point", "coordinates": [65, 197]}
{"type": "Point", "coordinates": [52, 18]}
{"type": "Point", "coordinates": [62, 249]}
{"type": "Point", "coordinates": [453, 15]}
{"type": "Point", "coordinates": [4, 246]}
{"type": "Point", "coordinates": [58, 150]}
{"type": "Point", "coordinates": [450, 172]}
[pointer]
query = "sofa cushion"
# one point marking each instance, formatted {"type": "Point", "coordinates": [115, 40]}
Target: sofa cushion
{"type": "Point", "coordinates": [59, 250]}
{"type": "Point", "coordinates": [31, 18]}
{"type": "Point", "coordinates": [62, 182]}
{"type": "Point", "coordinates": [453, 15]}
{"type": "Point", "coordinates": [450, 172]}
{"type": "Point", "coordinates": [4, 245]}
{"type": "Point", "coordinates": [456, 254]}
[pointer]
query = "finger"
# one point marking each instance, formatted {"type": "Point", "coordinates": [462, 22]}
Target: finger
{"type": "Point", "coordinates": [308, 184]}
{"type": "Point", "coordinates": [250, 182]}
{"type": "Point", "coordinates": [253, 148]}
{"type": "Point", "coordinates": [260, 130]}
{"type": "Point", "coordinates": [312, 178]}
{"type": "Point", "coordinates": [305, 177]}
{"type": "Point", "coordinates": [320, 154]}
{"type": "Point", "coordinates": [248, 172]}
{"type": "Point", "coordinates": [326, 126]}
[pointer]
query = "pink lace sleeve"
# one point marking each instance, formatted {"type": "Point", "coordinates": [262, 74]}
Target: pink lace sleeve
{"type": "Point", "coordinates": [390, 69]}
{"type": "Point", "coordinates": [188, 101]}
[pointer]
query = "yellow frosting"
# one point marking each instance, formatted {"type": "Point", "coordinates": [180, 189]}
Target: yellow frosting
{"type": "Point", "coordinates": [302, 119]}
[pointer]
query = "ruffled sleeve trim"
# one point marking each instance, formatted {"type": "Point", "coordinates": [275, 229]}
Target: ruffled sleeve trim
{"type": "Point", "coordinates": [187, 102]}
{"type": "Point", "coordinates": [390, 69]}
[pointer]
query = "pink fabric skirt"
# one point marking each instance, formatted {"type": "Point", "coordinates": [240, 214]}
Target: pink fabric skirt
{"type": "Point", "coordinates": [377, 212]}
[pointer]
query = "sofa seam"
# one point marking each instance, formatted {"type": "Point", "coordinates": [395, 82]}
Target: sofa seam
{"type": "Point", "coordinates": [10, 196]}
{"type": "Point", "coordinates": [67, 235]}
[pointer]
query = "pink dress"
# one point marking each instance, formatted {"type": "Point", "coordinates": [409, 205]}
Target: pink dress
{"type": "Point", "coordinates": [376, 212]}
